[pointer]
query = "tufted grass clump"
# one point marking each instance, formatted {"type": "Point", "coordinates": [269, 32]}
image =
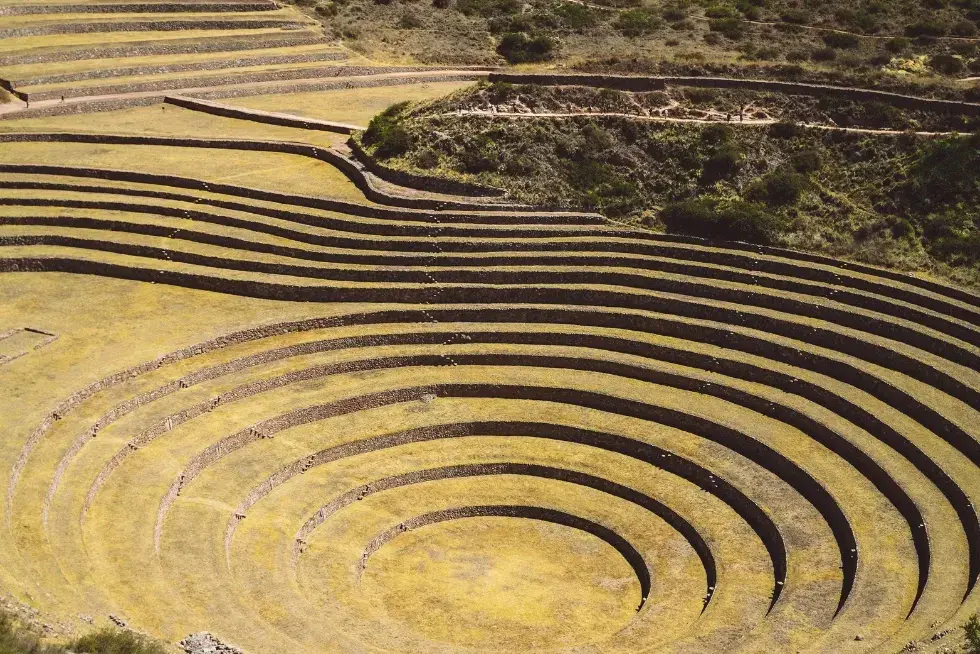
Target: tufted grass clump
{"type": "Point", "coordinates": [116, 641]}
{"type": "Point", "coordinates": [18, 638]}
{"type": "Point", "coordinates": [972, 629]}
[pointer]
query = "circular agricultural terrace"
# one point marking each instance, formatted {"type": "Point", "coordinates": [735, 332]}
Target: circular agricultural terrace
{"type": "Point", "coordinates": [407, 430]}
{"type": "Point", "coordinates": [250, 385]}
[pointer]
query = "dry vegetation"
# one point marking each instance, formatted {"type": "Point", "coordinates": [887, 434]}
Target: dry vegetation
{"type": "Point", "coordinates": [906, 38]}
{"type": "Point", "coordinates": [762, 167]}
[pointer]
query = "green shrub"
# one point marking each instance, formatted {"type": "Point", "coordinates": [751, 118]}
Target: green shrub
{"type": "Point", "coordinates": [576, 17]}
{"type": "Point", "coordinates": [481, 155]}
{"type": "Point", "coordinates": [732, 220]}
{"type": "Point", "coordinates": [725, 162]}
{"type": "Point", "coordinates": [952, 236]}
{"type": "Point", "coordinates": [603, 187]}
{"type": "Point", "coordinates": [795, 16]}
{"type": "Point", "coordinates": [732, 28]}
{"type": "Point", "coordinates": [841, 41]}
{"type": "Point", "coordinates": [719, 11]}
{"type": "Point", "coordinates": [823, 54]}
{"type": "Point", "coordinates": [387, 134]}
{"type": "Point", "coordinates": [637, 22]}
{"type": "Point", "coordinates": [784, 130]}
{"type": "Point", "coordinates": [748, 11]}
{"type": "Point", "coordinates": [964, 48]}
{"type": "Point", "coordinates": [947, 64]}
{"type": "Point", "coordinates": [427, 158]}
{"type": "Point", "coordinates": [15, 639]}
{"type": "Point", "coordinates": [488, 8]}
{"type": "Point", "coordinates": [947, 174]}
{"type": "Point", "coordinates": [925, 28]}
{"type": "Point", "coordinates": [866, 114]}
{"type": "Point", "coordinates": [717, 133]}
{"type": "Point", "coordinates": [778, 188]}
{"type": "Point", "coordinates": [674, 12]}
{"type": "Point", "coordinates": [863, 21]}
{"type": "Point", "coordinates": [897, 44]}
{"type": "Point", "coordinates": [518, 48]}
{"type": "Point", "coordinates": [327, 9]}
{"type": "Point", "coordinates": [410, 21]}
{"type": "Point", "coordinates": [807, 161]}
{"type": "Point", "coordinates": [965, 28]}
{"type": "Point", "coordinates": [116, 641]}
{"type": "Point", "coordinates": [972, 629]}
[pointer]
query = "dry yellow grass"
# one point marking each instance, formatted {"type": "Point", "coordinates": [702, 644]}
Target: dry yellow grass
{"type": "Point", "coordinates": [135, 79]}
{"type": "Point", "coordinates": [22, 71]}
{"type": "Point", "coordinates": [118, 38]}
{"type": "Point", "coordinates": [310, 487]}
{"type": "Point", "coordinates": [261, 170]}
{"type": "Point", "coordinates": [168, 120]}
{"type": "Point", "coordinates": [356, 106]}
{"type": "Point", "coordinates": [48, 19]}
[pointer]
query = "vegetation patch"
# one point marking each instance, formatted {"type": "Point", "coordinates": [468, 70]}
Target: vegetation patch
{"type": "Point", "coordinates": [890, 198]}
{"type": "Point", "coordinates": [827, 37]}
{"type": "Point", "coordinates": [17, 638]}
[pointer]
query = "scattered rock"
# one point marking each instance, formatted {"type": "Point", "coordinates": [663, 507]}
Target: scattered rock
{"type": "Point", "coordinates": [205, 642]}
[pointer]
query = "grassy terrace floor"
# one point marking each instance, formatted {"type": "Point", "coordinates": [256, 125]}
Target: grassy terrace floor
{"type": "Point", "coordinates": [474, 412]}
{"type": "Point", "coordinates": [238, 396]}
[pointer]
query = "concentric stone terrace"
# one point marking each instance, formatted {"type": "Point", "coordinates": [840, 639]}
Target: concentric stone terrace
{"type": "Point", "coordinates": [316, 425]}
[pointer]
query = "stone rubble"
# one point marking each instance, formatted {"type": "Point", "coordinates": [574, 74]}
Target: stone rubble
{"type": "Point", "coordinates": [205, 642]}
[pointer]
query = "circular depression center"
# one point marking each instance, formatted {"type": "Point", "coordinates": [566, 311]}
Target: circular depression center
{"type": "Point", "coordinates": [503, 583]}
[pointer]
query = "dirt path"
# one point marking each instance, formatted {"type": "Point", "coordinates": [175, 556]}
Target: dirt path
{"type": "Point", "coordinates": [667, 119]}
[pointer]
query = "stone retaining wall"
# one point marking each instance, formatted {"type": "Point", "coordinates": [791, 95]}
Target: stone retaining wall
{"type": "Point", "coordinates": [177, 46]}
{"type": "Point", "coordinates": [234, 92]}
{"type": "Point", "coordinates": [734, 254]}
{"type": "Point", "coordinates": [655, 326]}
{"type": "Point", "coordinates": [325, 85]}
{"type": "Point", "coordinates": [103, 73]}
{"type": "Point", "coordinates": [442, 218]}
{"type": "Point", "coordinates": [135, 8]}
{"type": "Point", "coordinates": [438, 295]}
{"type": "Point", "coordinates": [635, 83]}
{"type": "Point", "coordinates": [481, 215]}
{"type": "Point", "coordinates": [424, 182]}
{"type": "Point", "coordinates": [258, 116]}
{"type": "Point", "coordinates": [149, 26]}
{"type": "Point", "coordinates": [364, 182]}
{"type": "Point", "coordinates": [866, 324]}
{"type": "Point", "coordinates": [467, 274]}
{"type": "Point", "coordinates": [227, 79]}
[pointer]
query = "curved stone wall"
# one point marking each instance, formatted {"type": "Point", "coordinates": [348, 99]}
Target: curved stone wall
{"type": "Point", "coordinates": [213, 64]}
{"type": "Point", "coordinates": [147, 48]}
